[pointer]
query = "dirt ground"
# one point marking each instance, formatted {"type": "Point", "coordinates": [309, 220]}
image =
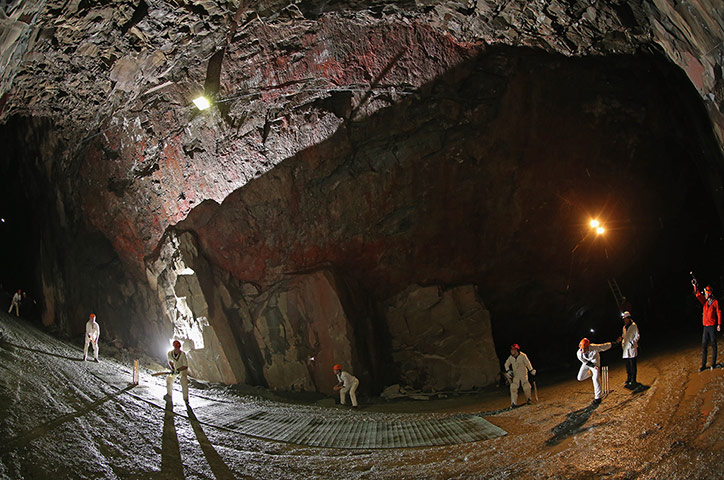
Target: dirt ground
{"type": "Point", "coordinates": [59, 421]}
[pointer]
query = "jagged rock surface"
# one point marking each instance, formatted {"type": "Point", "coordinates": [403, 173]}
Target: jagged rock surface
{"type": "Point", "coordinates": [387, 146]}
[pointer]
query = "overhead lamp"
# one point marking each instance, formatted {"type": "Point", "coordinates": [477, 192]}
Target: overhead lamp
{"type": "Point", "coordinates": [600, 230]}
{"type": "Point", "coordinates": [201, 103]}
{"type": "Point", "coordinates": [595, 223]}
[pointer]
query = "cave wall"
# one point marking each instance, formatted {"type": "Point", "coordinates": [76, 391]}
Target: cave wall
{"type": "Point", "coordinates": [67, 268]}
{"type": "Point", "coordinates": [484, 182]}
{"type": "Point", "coordinates": [341, 136]}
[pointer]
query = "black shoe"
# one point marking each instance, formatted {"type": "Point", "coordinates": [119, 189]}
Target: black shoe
{"type": "Point", "coordinates": [630, 386]}
{"type": "Point", "coordinates": [596, 401]}
{"type": "Point", "coordinates": [701, 369]}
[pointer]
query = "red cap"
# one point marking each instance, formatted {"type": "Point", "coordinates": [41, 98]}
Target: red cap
{"type": "Point", "coordinates": [337, 367]}
{"type": "Point", "coordinates": [92, 316]}
{"type": "Point", "coordinates": [516, 346]}
{"type": "Point", "coordinates": [584, 343]}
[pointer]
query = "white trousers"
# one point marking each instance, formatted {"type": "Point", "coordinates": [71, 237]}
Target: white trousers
{"type": "Point", "coordinates": [586, 372]}
{"type": "Point", "coordinates": [14, 304]}
{"type": "Point", "coordinates": [352, 389]}
{"type": "Point", "coordinates": [515, 384]}
{"type": "Point", "coordinates": [184, 384]}
{"type": "Point", "coordinates": [85, 348]}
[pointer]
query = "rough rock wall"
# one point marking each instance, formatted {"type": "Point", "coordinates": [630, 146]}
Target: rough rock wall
{"type": "Point", "coordinates": [68, 269]}
{"type": "Point", "coordinates": [118, 78]}
{"type": "Point", "coordinates": [291, 82]}
{"type": "Point", "coordinates": [442, 339]}
{"type": "Point", "coordinates": [484, 178]}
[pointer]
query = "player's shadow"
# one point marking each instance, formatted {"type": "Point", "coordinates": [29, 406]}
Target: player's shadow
{"type": "Point", "coordinates": [47, 428]}
{"type": "Point", "coordinates": [171, 465]}
{"type": "Point", "coordinates": [11, 346]}
{"type": "Point", "coordinates": [572, 424]}
{"type": "Point", "coordinates": [218, 467]}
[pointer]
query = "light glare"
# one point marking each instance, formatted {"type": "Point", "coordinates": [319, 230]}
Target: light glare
{"type": "Point", "coordinates": [595, 223]}
{"type": "Point", "coordinates": [600, 230]}
{"type": "Point", "coordinates": [201, 103]}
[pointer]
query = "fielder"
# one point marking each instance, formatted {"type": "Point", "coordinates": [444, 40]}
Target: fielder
{"type": "Point", "coordinates": [516, 369]}
{"type": "Point", "coordinates": [590, 357]}
{"type": "Point", "coordinates": [15, 303]}
{"type": "Point", "coordinates": [346, 383]}
{"type": "Point", "coordinates": [92, 333]}
{"type": "Point", "coordinates": [179, 365]}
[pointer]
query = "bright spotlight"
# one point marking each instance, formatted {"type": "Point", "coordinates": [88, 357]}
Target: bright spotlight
{"type": "Point", "coordinates": [201, 103]}
{"type": "Point", "coordinates": [595, 223]}
{"type": "Point", "coordinates": [600, 230]}
{"type": "Point", "coordinates": [592, 331]}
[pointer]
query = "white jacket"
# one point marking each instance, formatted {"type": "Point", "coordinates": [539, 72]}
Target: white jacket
{"type": "Point", "coordinates": [630, 341]}
{"type": "Point", "coordinates": [92, 330]}
{"type": "Point", "coordinates": [176, 362]}
{"type": "Point", "coordinates": [347, 379]}
{"type": "Point", "coordinates": [592, 358]}
{"type": "Point", "coordinates": [520, 365]}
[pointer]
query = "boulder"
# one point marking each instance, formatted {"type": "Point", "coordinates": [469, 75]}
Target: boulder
{"type": "Point", "coordinates": [303, 327]}
{"type": "Point", "coordinates": [442, 338]}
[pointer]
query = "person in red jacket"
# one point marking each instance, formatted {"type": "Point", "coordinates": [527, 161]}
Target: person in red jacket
{"type": "Point", "coordinates": [711, 318]}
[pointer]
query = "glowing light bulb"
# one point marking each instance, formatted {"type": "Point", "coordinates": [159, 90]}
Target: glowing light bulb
{"type": "Point", "coordinates": [201, 103]}
{"type": "Point", "coordinates": [595, 223]}
{"type": "Point", "coordinates": [600, 230]}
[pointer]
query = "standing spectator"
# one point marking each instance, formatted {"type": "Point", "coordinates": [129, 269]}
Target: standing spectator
{"type": "Point", "coordinates": [17, 298]}
{"type": "Point", "coordinates": [179, 365]}
{"type": "Point", "coordinates": [516, 369]}
{"type": "Point", "coordinates": [346, 383]}
{"type": "Point", "coordinates": [630, 345]}
{"type": "Point", "coordinates": [92, 333]}
{"type": "Point", "coordinates": [711, 317]}
{"type": "Point", "coordinates": [588, 354]}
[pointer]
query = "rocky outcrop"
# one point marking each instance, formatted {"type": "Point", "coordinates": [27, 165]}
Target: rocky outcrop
{"type": "Point", "coordinates": [442, 339]}
{"type": "Point", "coordinates": [193, 309]}
{"type": "Point", "coordinates": [303, 326]}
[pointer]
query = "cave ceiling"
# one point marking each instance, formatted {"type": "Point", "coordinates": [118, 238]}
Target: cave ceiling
{"type": "Point", "coordinates": [117, 78]}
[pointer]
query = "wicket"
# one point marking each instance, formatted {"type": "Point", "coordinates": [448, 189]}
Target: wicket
{"type": "Point", "coordinates": [604, 381]}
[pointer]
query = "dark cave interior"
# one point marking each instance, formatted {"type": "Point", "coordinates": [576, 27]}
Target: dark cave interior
{"type": "Point", "coordinates": [542, 143]}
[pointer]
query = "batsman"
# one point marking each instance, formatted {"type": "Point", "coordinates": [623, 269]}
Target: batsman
{"type": "Point", "coordinates": [179, 366]}
{"type": "Point", "coordinates": [517, 367]}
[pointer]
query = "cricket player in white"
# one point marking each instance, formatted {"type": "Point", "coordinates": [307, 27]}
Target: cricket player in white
{"type": "Point", "coordinates": [179, 365]}
{"type": "Point", "coordinates": [17, 298]}
{"type": "Point", "coordinates": [516, 369]}
{"type": "Point", "coordinates": [92, 333]}
{"type": "Point", "coordinates": [588, 354]}
{"type": "Point", "coordinates": [347, 383]}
